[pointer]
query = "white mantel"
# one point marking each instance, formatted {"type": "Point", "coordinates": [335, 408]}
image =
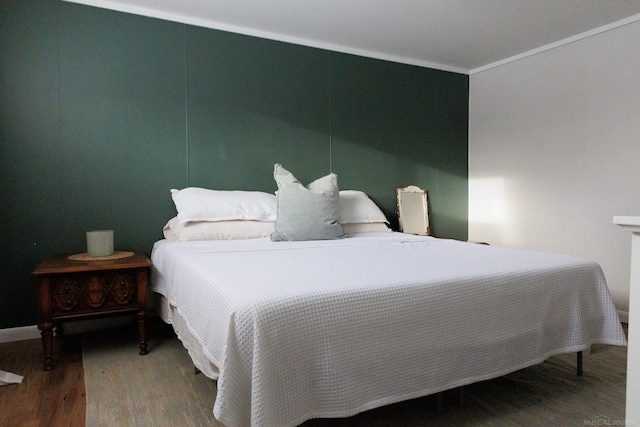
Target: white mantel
{"type": "Point", "coordinates": [632, 224]}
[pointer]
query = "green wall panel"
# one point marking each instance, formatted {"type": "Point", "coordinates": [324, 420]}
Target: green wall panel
{"type": "Point", "coordinates": [29, 155]}
{"type": "Point", "coordinates": [102, 113]}
{"type": "Point", "coordinates": [122, 80]}
{"type": "Point", "coordinates": [395, 125]}
{"type": "Point", "coordinates": [93, 132]}
{"type": "Point", "coordinates": [252, 103]}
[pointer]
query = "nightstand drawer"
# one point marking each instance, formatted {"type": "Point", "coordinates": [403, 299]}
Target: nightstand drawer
{"type": "Point", "coordinates": [80, 293]}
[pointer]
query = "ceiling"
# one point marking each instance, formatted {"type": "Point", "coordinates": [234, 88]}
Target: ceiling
{"type": "Point", "coordinates": [463, 36]}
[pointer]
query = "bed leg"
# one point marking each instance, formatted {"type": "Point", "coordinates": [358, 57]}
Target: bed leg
{"type": "Point", "coordinates": [579, 359]}
{"type": "Point", "coordinates": [439, 402]}
{"type": "Point", "coordinates": [196, 371]}
{"type": "Point", "coordinates": [460, 396]}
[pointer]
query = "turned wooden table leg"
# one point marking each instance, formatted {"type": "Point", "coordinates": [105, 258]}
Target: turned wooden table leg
{"type": "Point", "coordinates": [142, 331]}
{"type": "Point", "coordinates": [47, 344]}
{"type": "Point", "coordinates": [46, 323]}
{"type": "Point", "coordinates": [142, 279]}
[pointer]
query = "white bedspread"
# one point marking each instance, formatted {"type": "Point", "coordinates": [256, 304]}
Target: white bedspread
{"type": "Point", "coordinates": [331, 328]}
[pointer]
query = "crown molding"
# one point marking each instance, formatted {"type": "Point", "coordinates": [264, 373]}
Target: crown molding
{"type": "Point", "coordinates": [559, 43]}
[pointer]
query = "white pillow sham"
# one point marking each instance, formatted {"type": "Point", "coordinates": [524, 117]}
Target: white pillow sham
{"type": "Point", "coordinates": [200, 204]}
{"type": "Point", "coordinates": [216, 230]}
{"type": "Point", "coordinates": [239, 230]}
{"type": "Point", "coordinates": [357, 207]}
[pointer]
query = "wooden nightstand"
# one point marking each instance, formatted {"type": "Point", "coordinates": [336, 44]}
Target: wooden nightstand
{"type": "Point", "coordinates": [79, 289]}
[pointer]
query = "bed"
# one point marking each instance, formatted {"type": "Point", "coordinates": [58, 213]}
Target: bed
{"type": "Point", "coordinates": [300, 329]}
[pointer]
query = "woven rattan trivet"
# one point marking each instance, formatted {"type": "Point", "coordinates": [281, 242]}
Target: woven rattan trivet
{"type": "Point", "coordinates": [85, 256]}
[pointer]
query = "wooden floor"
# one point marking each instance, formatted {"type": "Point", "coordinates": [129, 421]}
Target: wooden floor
{"type": "Point", "coordinates": [52, 398]}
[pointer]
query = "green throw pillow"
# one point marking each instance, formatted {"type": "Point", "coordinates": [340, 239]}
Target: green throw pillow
{"type": "Point", "coordinates": [306, 213]}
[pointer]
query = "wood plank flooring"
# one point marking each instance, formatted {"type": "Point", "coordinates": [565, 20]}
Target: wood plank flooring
{"type": "Point", "coordinates": [51, 398]}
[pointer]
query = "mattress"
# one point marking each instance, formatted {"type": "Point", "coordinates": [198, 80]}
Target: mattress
{"type": "Point", "coordinates": [300, 330]}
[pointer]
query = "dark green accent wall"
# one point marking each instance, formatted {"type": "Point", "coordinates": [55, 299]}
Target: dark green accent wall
{"type": "Point", "coordinates": [102, 113]}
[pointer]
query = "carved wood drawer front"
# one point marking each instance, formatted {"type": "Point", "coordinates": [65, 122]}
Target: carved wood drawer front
{"type": "Point", "coordinates": [123, 287]}
{"type": "Point", "coordinates": [76, 293]}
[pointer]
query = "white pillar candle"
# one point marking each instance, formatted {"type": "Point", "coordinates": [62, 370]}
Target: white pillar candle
{"type": "Point", "coordinates": [100, 243]}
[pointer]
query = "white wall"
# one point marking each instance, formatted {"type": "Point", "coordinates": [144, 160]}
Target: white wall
{"type": "Point", "coordinates": [554, 152]}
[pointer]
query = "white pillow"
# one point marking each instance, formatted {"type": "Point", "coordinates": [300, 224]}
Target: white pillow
{"type": "Point", "coordinates": [200, 204]}
{"type": "Point", "coordinates": [306, 213]}
{"type": "Point", "coordinates": [366, 227]}
{"type": "Point", "coordinates": [217, 230]}
{"type": "Point", "coordinates": [356, 206]}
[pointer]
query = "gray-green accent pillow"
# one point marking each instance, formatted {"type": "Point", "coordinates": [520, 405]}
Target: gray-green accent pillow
{"type": "Point", "coordinates": [307, 213]}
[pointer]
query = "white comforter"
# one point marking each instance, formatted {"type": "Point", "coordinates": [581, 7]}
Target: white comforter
{"type": "Point", "coordinates": [301, 330]}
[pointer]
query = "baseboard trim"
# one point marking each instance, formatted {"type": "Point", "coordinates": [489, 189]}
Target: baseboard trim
{"type": "Point", "coordinates": [72, 327]}
{"type": "Point", "coordinates": [19, 334]}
